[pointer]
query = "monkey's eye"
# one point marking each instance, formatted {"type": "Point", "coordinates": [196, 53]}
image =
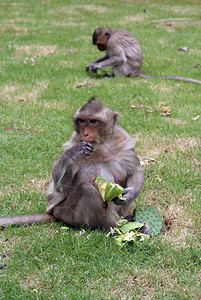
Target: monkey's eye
{"type": "Point", "coordinates": [107, 34]}
{"type": "Point", "coordinates": [93, 121]}
{"type": "Point", "coordinates": [81, 122]}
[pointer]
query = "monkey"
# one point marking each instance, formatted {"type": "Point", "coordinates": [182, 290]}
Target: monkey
{"type": "Point", "coordinates": [123, 54]}
{"type": "Point", "coordinates": [97, 146]}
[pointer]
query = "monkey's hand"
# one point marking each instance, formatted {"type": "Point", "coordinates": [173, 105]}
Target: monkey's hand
{"type": "Point", "coordinates": [83, 148]}
{"type": "Point", "coordinates": [93, 67]}
{"type": "Point", "coordinates": [129, 194]}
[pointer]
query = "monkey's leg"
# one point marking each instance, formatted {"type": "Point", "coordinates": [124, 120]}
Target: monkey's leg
{"type": "Point", "coordinates": [84, 207]}
{"type": "Point", "coordinates": [129, 68]}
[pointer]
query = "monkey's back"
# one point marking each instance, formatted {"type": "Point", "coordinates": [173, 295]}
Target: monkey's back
{"type": "Point", "coordinates": [130, 44]}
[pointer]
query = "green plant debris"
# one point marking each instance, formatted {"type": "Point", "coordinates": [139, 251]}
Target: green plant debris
{"type": "Point", "coordinates": [127, 232]}
{"type": "Point", "coordinates": [108, 189]}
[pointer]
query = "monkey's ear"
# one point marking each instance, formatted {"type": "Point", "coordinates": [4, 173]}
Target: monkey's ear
{"type": "Point", "coordinates": [115, 117]}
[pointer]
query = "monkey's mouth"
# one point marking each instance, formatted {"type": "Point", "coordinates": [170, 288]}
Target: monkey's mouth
{"type": "Point", "coordinates": [101, 47]}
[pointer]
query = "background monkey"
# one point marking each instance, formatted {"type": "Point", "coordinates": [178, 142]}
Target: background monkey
{"type": "Point", "coordinates": [97, 147]}
{"type": "Point", "coordinates": [123, 54]}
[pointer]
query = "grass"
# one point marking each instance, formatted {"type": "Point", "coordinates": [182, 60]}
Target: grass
{"type": "Point", "coordinates": [44, 48]}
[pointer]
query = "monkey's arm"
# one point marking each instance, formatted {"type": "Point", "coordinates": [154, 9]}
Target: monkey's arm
{"type": "Point", "coordinates": [62, 182]}
{"type": "Point", "coordinates": [117, 58]}
{"type": "Point", "coordinates": [62, 167]}
{"type": "Point", "coordinates": [134, 183]}
{"type": "Point", "coordinates": [133, 187]}
{"type": "Point", "coordinates": [88, 67]}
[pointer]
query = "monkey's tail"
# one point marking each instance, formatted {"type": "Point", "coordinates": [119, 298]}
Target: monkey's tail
{"type": "Point", "coordinates": [25, 219]}
{"type": "Point", "coordinates": [181, 78]}
{"type": "Point", "coordinates": [146, 76]}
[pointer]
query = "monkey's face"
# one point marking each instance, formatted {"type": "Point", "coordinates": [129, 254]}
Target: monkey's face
{"type": "Point", "coordinates": [100, 38]}
{"type": "Point", "coordinates": [94, 122]}
{"type": "Point", "coordinates": [89, 129]}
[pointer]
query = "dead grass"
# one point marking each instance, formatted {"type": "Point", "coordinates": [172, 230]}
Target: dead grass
{"type": "Point", "coordinates": [35, 50]}
{"type": "Point", "coordinates": [182, 225]}
{"type": "Point", "coordinates": [39, 184]}
{"type": "Point", "coordinates": [129, 19]}
{"type": "Point", "coordinates": [162, 86]}
{"type": "Point", "coordinates": [161, 144]}
{"type": "Point", "coordinates": [11, 24]}
{"type": "Point", "coordinates": [65, 63]}
{"type": "Point", "coordinates": [181, 10]}
{"type": "Point", "coordinates": [76, 9]}
{"type": "Point", "coordinates": [17, 92]}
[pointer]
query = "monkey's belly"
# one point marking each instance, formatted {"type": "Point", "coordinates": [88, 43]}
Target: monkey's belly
{"type": "Point", "coordinates": [88, 173]}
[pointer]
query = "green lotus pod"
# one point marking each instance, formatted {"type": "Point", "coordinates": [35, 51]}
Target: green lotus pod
{"type": "Point", "coordinates": [150, 215]}
{"type": "Point", "coordinates": [108, 189]}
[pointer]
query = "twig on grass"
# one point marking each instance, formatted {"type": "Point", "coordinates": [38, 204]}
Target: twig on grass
{"type": "Point", "coordinates": [171, 20]}
{"type": "Point", "coordinates": [28, 129]}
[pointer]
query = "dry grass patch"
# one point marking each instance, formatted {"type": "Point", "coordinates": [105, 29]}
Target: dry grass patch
{"type": "Point", "coordinates": [129, 19]}
{"type": "Point", "coordinates": [162, 86]}
{"type": "Point", "coordinates": [181, 10]}
{"type": "Point", "coordinates": [182, 225]}
{"type": "Point", "coordinates": [10, 24]}
{"type": "Point", "coordinates": [130, 283]}
{"type": "Point", "coordinates": [35, 50]}
{"type": "Point", "coordinates": [68, 63]}
{"type": "Point", "coordinates": [75, 9]}
{"type": "Point", "coordinates": [71, 24]}
{"type": "Point", "coordinates": [61, 106]}
{"type": "Point", "coordinates": [161, 144]}
{"type": "Point", "coordinates": [39, 184]}
{"type": "Point", "coordinates": [17, 92]}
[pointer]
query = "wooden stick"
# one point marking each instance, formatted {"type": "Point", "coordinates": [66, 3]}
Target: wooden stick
{"type": "Point", "coordinates": [104, 206]}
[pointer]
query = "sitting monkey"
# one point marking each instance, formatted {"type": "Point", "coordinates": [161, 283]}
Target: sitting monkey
{"type": "Point", "coordinates": [97, 147]}
{"type": "Point", "coordinates": [123, 54]}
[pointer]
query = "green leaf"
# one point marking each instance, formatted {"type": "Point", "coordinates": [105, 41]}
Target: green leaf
{"type": "Point", "coordinates": [130, 226]}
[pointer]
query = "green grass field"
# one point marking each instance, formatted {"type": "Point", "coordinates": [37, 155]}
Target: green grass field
{"type": "Point", "coordinates": [44, 49]}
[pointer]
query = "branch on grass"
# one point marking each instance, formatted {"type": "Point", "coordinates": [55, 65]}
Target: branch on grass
{"type": "Point", "coordinates": [172, 20]}
{"type": "Point", "coordinates": [28, 129]}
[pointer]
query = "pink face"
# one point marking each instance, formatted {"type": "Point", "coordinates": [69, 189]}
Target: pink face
{"type": "Point", "coordinates": [88, 129]}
